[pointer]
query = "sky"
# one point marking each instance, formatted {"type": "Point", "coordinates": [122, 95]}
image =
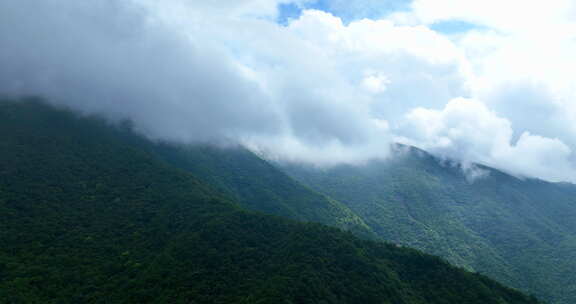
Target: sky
{"type": "Point", "coordinates": [317, 81]}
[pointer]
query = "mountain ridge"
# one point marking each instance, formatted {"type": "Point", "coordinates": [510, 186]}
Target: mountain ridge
{"type": "Point", "coordinates": [89, 216]}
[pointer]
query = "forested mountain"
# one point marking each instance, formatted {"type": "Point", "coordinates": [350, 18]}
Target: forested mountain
{"type": "Point", "coordinates": [90, 213]}
{"type": "Point", "coordinates": [520, 231]}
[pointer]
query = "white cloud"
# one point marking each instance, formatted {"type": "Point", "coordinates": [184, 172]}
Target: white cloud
{"type": "Point", "coordinates": [520, 58]}
{"type": "Point", "coordinates": [522, 65]}
{"type": "Point", "coordinates": [511, 16]}
{"type": "Point", "coordinates": [466, 129]}
{"type": "Point", "coordinates": [463, 129]}
{"type": "Point", "coordinates": [375, 82]}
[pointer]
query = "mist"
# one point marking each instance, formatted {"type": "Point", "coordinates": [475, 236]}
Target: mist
{"type": "Point", "coordinates": [315, 90]}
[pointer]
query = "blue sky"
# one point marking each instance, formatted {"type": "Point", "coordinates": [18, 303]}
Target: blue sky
{"type": "Point", "coordinates": [453, 27]}
{"type": "Point", "coordinates": [350, 11]}
{"type": "Point", "coordinates": [346, 10]}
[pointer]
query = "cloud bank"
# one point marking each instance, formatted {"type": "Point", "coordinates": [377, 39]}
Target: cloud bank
{"type": "Point", "coordinates": [316, 88]}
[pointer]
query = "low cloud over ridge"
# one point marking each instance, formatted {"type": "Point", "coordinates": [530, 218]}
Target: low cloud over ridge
{"type": "Point", "coordinates": [316, 89]}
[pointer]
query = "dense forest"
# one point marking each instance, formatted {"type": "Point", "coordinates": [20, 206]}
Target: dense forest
{"type": "Point", "coordinates": [520, 231]}
{"type": "Point", "coordinates": [90, 213]}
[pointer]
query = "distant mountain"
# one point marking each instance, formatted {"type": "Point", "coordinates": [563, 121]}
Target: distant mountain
{"type": "Point", "coordinates": [520, 231]}
{"type": "Point", "coordinates": [90, 213]}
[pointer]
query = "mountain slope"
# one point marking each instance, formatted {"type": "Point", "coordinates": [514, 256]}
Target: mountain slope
{"type": "Point", "coordinates": [521, 232]}
{"type": "Point", "coordinates": [89, 216]}
{"type": "Point", "coordinates": [259, 186]}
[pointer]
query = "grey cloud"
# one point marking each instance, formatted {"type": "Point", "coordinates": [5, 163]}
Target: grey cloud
{"type": "Point", "coordinates": [183, 81]}
{"type": "Point", "coordinates": [108, 57]}
{"type": "Point", "coordinates": [417, 82]}
{"type": "Point", "coordinates": [530, 107]}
